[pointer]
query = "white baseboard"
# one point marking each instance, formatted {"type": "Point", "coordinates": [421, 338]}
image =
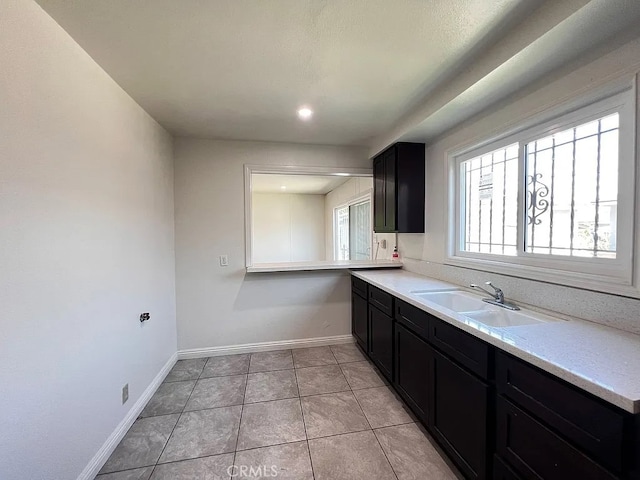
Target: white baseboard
{"type": "Point", "coordinates": [264, 346]}
{"type": "Point", "coordinates": [100, 458]}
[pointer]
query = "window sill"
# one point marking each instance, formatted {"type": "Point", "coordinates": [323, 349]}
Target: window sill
{"type": "Point", "coordinates": [596, 283]}
{"type": "Point", "coordinates": [322, 265]}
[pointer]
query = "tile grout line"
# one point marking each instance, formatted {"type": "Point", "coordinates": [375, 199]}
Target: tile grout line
{"type": "Point", "coordinates": [374, 432]}
{"type": "Point", "coordinates": [385, 455]}
{"type": "Point", "coordinates": [306, 435]}
{"type": "Point", "coordinates": [244, 396]}
{"type": "Point", "coordinates": [177, 421]}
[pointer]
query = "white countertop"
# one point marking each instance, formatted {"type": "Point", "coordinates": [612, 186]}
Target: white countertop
{"type": "Point", "coordinates": [601, 360]}
{"type": "Point", "coordinates": [323, 265]}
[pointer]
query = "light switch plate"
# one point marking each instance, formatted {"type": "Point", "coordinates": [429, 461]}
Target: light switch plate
{"type": "Point", "coordinates": [224, 260]}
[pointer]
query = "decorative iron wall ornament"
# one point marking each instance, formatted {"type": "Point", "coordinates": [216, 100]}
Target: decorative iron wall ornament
{"type": "Point", "coordinates": [537, 204]}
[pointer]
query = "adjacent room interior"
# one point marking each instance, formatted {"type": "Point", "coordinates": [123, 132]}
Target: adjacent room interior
{"type": "Point", "coordinates": [313, 239]}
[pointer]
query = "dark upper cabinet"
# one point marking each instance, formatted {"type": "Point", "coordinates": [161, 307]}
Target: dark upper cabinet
{"type": "Point", "coordinates": [459, 415]}
{"type": "Point", "coordinates": [381, 341]}
{"type": "Point", "coordinates": [398, 189]}
{"type": "Point", "coordinates": [412, 360]}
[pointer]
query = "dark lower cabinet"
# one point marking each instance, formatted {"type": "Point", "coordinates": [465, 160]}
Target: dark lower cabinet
{"type": "Point", "coordinates": [459, 415]}
{"type": "Point", "coordinates": [360, 320]}
{"type": "Point", "coordinates": [537, 452]}
{"type": "Point", "coordinates": [412, 360]}
{"type": "Point", "coordinates": [496, 416]}
{"type": "Point", "coordinates": [381, 341]}
{"type": "Point", "coordinates": [502, 471]}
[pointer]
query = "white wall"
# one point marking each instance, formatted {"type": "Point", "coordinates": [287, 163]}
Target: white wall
{"type": "Point", "coordinates": [287, 227]}
{"type": "Point", "coordinates": [87, 244]}
{"type": "Point", "coordinates": [219, 306]}
{"type": "Point", "coordinates": [608, 309]}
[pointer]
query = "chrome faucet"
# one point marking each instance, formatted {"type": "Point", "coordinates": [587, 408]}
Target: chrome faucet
{"type": "Point", "coordinates": [497, 296]}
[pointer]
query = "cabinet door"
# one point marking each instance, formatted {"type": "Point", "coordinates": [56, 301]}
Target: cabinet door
{"type": "Point", "coordinates": [502, 471]}
{"type": "Point", "coordinates": [390, 190]}
{"type": "Point", "coordinates": [378, 194]}
{"type": "Point", "coordinates": [359, 320]}
{"type": "Point", "coordinates": [459, 415]}
{"type": "Point", "coordinates": [381, 341]}
{"type": "Point", "coordinates": [412, 358]}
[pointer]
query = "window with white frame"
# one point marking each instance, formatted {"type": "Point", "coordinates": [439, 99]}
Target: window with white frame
{"type": "Point", "coordinates": [553, 201]}
{"type": "Point", "coordinates": [352, 230]}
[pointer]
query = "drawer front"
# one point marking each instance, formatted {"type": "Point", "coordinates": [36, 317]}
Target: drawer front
{"type": "Point", "coordinates": [359, 286]}
{"type": "Point", "coordinates": [412, 318]}
{"type": "Point", "coordinates": [537, 452]}
{"type": "Point", "coordinates": [502, 471]}
{"type": "Point", "coordinates": [381, 299]}
{"type": "Point", "coordinates": [588, 423]}
{"type": "Point", "coordinates": [464, 348]}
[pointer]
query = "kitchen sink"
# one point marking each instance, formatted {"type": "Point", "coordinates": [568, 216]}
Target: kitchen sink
{"type": "Point", "coordinates": [497, 317]}
{"type": "Point", "coordinates": [481, 312]}
{"type": "Point", "coordinates": [455, 301]}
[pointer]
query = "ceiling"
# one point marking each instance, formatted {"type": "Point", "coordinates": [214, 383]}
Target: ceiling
{"type": "Point", "coordinates": [304, 184]}
{"type": "Point", "coordinates": [241, 68]}
{"type": "Point", "coordinates": [374, 71]}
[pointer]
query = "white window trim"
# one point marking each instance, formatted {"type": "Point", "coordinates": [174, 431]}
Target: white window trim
{"type": "Point", "coordinates": [619, 276]}
{"type": "Point", "coordinates": [365, 195]}
{"type": "Point", "coordinates": [250, 169]}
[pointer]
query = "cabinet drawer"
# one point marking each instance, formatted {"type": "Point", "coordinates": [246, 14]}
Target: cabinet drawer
{"type": "Point", "coordinates": [359, 286]}
{"type": "Point", "coordinates": [537, 452]}
{"type": "Point", "coordinates": [381, 299]}
{"type": "Point", "coordinates": [412, 318]}
{"type": "Point", "coordinates": [584, 420]}
{"type": "Point", "coordinates": [467, 350]}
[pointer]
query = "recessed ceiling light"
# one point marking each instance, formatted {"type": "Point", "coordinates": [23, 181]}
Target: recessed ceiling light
{"type": "Point", "coordinates": [283, 187]}
{"type": "Point", "coordinates": [305, 113]}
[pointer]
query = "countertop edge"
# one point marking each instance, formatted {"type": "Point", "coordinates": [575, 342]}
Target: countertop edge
{"type": "Point", "coordinates": [321, 266]}
{"type": "Point", "coordinates": [627, 404]}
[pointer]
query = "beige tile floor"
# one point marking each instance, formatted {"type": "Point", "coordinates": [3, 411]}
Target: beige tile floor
{"type": "Point", "coordinates": [322, 413]}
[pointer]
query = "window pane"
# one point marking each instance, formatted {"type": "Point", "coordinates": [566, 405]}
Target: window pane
{"type": "Point", "coordinates": [360, 231]}
{"type": "Point", "coordinates": [490, 198]}
{"type": "Point", "coordinates": [572, 191]}
{"type": "Point", "coordinates": [341, 240]}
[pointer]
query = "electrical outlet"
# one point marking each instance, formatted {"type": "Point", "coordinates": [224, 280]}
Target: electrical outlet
{"type": "Point", "coordinates": [224, 260]}
{"type": "Point", "coordinates": [125, 393]}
